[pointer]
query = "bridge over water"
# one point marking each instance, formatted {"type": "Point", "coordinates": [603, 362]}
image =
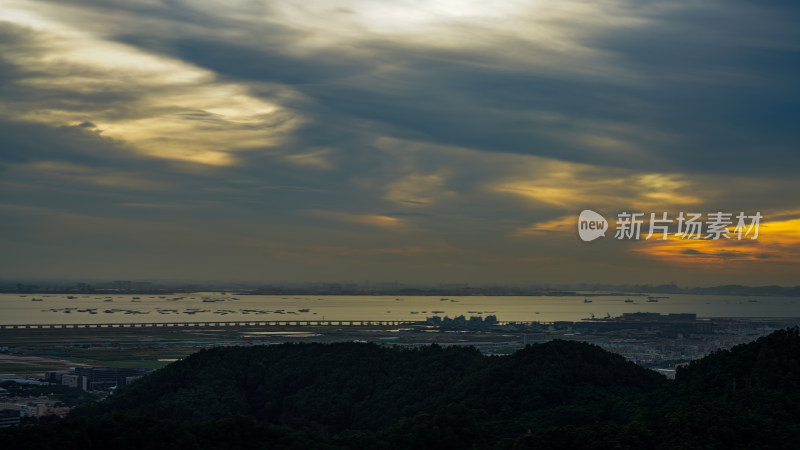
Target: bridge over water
{"type": "Point", "coordinates": [223, 324]}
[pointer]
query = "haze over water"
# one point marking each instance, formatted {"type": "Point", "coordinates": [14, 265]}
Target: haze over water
{"type": "Point", "coordinates": [58, 309]}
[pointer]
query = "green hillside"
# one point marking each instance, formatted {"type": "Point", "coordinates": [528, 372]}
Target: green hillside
{"type": "Point", "coordinates": [555, 395]}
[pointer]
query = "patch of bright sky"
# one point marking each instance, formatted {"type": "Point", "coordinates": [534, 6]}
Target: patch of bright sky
{"type": "Point", "coordinates": [177, 111]}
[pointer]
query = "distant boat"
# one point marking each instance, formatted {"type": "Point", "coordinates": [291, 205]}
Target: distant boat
{"type": "Point", "coordinates": [652, 300]}
{"type": "Point", "coordinates": [303, 310]}
{"type": "Point", "coordinates": [37, 299]}
{"type": "Point", "coordinates": [586, 300]}
{"type": "Point", "coordinates": [628, 301]}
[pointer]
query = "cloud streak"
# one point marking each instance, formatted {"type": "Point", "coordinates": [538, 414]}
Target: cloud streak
{"type": "Point", "coordinates": [345, 139]}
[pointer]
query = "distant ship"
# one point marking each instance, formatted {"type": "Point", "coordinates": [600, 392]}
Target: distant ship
{"type": "Point", "coordinates": [586, 300]}
{"type": "Point", "coordinates": [628, 301]}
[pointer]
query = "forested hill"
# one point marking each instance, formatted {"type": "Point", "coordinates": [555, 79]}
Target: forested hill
{"type": "Point", "coordinates": [554, 395]}
{"type": "Point", "coordinates": [771, 362]}
{"type": "Point", "coordinates": [365, 388]}
{"type": "Point", "coordinates": [744, 398]}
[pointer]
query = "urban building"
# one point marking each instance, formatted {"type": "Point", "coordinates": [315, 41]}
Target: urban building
{"type": "Point", "coordinates": [9, 417]}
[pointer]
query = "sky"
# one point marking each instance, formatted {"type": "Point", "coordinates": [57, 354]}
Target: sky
{"type": "Point", "coordinates": [405, 140]}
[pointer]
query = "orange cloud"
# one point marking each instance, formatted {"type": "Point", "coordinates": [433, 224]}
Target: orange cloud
{"type": "Point", "coordinates": [375, 220]}
{"type": "Point", "coordinates": [561, 224]}
{"type": "Point", "coordinates": [777, 241]}
{"type": "Point", "coordinates": [573, 186]}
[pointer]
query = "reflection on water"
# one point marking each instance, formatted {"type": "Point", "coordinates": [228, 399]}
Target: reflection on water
{"type": "Point", "coordinates": [219, 307]}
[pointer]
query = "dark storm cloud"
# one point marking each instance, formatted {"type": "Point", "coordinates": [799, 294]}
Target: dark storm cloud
{"type": "Point", "coordinates": [385, 145]}
{"type": "Point", "coordinates": [428, 96]}
{"type": "Point", "coordinates": [76, 169]}
{"type": "Point", "coordinates": [27, 142]}
{"type": "Point", "coordinates": [710, 80]}
{"type": "Point", "coordinates": [257, 63]}
{"type": "Point", "coordinates": [723, 78]}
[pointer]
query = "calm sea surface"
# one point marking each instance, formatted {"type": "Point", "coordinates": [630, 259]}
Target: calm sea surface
{"type": "Point", "coordinates": [214, 306]}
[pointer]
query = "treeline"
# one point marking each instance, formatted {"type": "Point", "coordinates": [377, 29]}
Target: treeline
{"type": "Point", "coordinates": [555, 395]}
{"type": "Point", "coordinates": [744, 398]}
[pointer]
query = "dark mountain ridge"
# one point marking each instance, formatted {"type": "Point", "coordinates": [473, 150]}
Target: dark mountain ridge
{"type": "Point", "coordinates": [559, 394]}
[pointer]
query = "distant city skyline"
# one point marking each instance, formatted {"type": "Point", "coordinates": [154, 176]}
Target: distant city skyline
{"type": "Point", "coordinates": [388, 288]}
{"type": "Point", "coordinates": [424, 142]}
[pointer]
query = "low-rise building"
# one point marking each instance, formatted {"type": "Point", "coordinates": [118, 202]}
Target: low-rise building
{"type": "Point", "coordinates": [101, 378]}
{"type": "Point", "coordinates": [9, 418]}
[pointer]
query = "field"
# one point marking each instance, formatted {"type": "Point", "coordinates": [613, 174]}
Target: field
{"type": "Point", "coordinates": [34, 351]}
